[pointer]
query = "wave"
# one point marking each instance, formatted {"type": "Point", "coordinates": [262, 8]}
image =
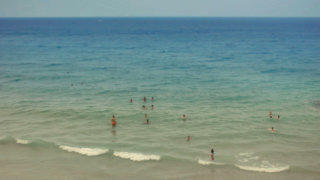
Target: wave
{"type": "Point", "coordinates": [136, 156]}
{"type": "Point", "coordinates": [206, 163]}
{"type": "Point", "coordinates": [22, 141]}
{"type": "Point", "coordinates": [250, 162]}
{"type": "Point", "coordinates": [264, 169]}
{"type": "Point", "coordinates": [85, 151]}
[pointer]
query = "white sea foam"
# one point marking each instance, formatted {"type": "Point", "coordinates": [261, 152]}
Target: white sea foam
{"type": "Point", "coordinates": [247, 161]}
{"type": "Point", "coordinates": [22, 141]}
{"type": "Point", "coordinates": [136, 156]}
{"type": "Point", "coordinates": [270, 169]}
{"type": "Point", "coordinates": [206, 163]}
{"type": "Point", "coordinates": [85, 151]}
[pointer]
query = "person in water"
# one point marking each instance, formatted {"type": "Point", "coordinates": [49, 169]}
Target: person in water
{"type": "Point", "coordinates": [147, 122]}
{"type": "Point", "coordinates": [131, 100]}
{"type": "Point", "coordinates": [212, 154]}
{"type": "Point", "coordinates": [146, 116]}
{"type": "Point", "coordinates": [113, 121]}
{"type": "Point", "coordinates": [188, 138]}
{"type": "Point", "coordinates": [152, 99]}
{"type": "Point", "coordinates": [278, 117]}
{"type": "Point", "coordinates": [144, 99]}
{"type": "Point", "coordinates": [143, 107]}
{"type": "Point", "coordinates": [272, 130]}
{"type": "Point", "coordinates": [184, 117]}
{"type": "Point", "coordinates": [270, 115]}
{"type": "Point", "coordinates": [152, 107]}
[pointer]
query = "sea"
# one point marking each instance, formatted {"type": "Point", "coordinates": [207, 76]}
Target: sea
{"type": "Point", "coordinates": [62, 80]}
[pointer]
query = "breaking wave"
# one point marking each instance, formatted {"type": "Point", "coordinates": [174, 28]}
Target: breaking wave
{"type": "Point", "coordinates": [251, 162]}
{"type": "Point", "coordinates": [206, 163]}
{"type": "Point", "coordinates": [85, 151]}
{"type": "Point", "coordinates": [22, 141]}
{"type": "Point", "coordinates": [264, 168]}
{"type": "Point", "coordinates": [136, 156]}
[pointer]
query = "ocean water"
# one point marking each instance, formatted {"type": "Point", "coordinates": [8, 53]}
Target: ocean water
{"type": "Point", "coordinates": [62, 79]}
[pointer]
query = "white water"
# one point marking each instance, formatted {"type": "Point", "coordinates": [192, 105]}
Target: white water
{"type": "Point", "coordinates": [85, 151]}
{"type": "Point", "coordinates": [136, 156]}
{"type": "Point", "coordinates": [22, 141]}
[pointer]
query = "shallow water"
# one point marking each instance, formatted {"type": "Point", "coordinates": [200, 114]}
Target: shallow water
{"type": "Point", "coordinates": [61, 80]}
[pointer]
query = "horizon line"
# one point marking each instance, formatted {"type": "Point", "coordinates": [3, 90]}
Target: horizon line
{"type": "Point", "coordinates": [2, 17]}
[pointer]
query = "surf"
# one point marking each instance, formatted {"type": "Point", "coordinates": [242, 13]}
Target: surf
{"type": "Point", "coordinates": [262, 168]}
{"type": "Point", "coordinates": [136, 156]}
{"type": "Point", "coordinates": [249, 161]}
{"type": "Point", "coordinates": [22, 141]}
{"type": "Point", "coordinates": [84, 150]}
{"type": "Point", "coordinates": [207, 163]}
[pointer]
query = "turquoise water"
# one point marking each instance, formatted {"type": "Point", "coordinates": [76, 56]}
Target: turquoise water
{"type": "Point", "coordinates": [61, 80]}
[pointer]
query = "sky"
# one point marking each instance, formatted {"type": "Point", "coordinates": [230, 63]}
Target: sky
{"type": "Point", "coordinates": [159, 8]}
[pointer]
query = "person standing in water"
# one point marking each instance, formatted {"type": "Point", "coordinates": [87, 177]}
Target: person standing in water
{"type": "Point", "coordinates": [184, 117]}
{"type": "Point", "coordinates": [131, 100]}
{"type": "Point", "coordinates": [152, 107]}
{"type": "Point", "coordinates": [144, 99]}
{"type": "Point", "coordinates": [278, 117]}
{"type": "Point", "coordinates": [188, 138]}
{"type": "Point", "coordinates": [272, 130]}
{"type": "Point", "coordinates": [113, 121]}
{"type": "Point", "coordinates": [152, 99]}
{"type": "Point", "coordinates": [270, 115]}
{"type": "Point", "coordinates": [212, 154]}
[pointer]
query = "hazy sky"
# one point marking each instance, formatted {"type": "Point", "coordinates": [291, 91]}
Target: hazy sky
{"type": "Point", "coordinates": [215, 8]}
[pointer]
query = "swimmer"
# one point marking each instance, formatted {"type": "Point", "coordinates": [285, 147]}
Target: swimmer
{"type": "Point", "coordinates": [272, 130]}
{"type": "Point", "coordinates": [131, 100]}
{"type": "Point", "coordinates": [144, 99]}
{"type": "Point", "coordinates": [212, 154]}
{"type": "Point", "coordinates": [188, 138]}
{"type": "Point", "coordinates": [278, 117]}
{"type": "Point", "coordinates": [143, 107]}
{"type": "Point", "coordinates": [113, 121]}
{"type": "Point", "coordinates": [152, 107]}
{"type": "Point", "coordinates": [146, 116]}
{"type": "Point", "coordinates": [270, 115]}
{"type": "Point", "coordinates": [184, 117]}
{"type": "Point", "coordinates": [152, 99]}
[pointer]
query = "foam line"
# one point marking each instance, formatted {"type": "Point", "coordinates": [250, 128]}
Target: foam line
{"type": "Point", "coordinates": [85, 151]}
{"type": "Point", "coordinates": [264, 169]}
{"type": "Point", "coordinates": [136, 156]}
{"type": "Point", "coordinates": [206, 163]}
{"type": "Point", "coordinates": [22, 141]}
